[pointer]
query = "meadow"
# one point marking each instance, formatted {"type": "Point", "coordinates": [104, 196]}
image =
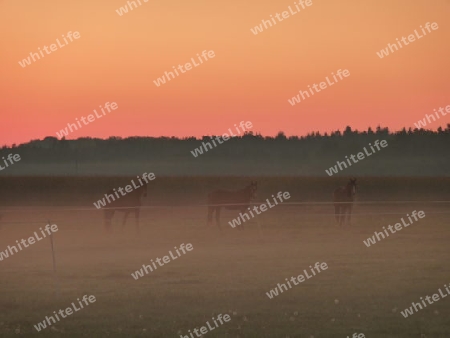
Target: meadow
{"type": "Point", "coordinates": [229, 272]}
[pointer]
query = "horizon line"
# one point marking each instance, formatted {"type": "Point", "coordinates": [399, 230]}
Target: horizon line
{"type": "Point", "coordinates": [258, 134]}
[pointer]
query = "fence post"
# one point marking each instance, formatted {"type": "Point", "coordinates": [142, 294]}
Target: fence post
{"type": "Point", "coordinates": [259, 228]}
{"type": "Point", "coordinates": [55, 276]}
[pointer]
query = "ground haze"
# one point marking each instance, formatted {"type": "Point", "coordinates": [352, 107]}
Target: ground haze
{"type": "Point", "coordinates": [363, 289]}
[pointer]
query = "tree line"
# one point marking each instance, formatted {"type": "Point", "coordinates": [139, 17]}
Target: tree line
{"type": "Point", "coordinates": [412, 152]}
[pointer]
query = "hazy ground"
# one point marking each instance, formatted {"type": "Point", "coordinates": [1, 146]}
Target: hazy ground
{"type": "Point", "coordinates": [363, 290]}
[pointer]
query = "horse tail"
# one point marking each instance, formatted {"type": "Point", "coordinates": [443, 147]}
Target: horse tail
{"type": "Point", "coordinates": [107, 216]}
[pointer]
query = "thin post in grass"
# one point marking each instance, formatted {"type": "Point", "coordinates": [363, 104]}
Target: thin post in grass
{"type": "Point", "coordinates": [55, 276]}
{"type": "Point", "coordinates": [259, 228]}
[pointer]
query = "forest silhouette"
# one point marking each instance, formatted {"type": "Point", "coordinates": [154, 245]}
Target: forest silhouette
{"type": "Point", "coordinates": [412, 152]}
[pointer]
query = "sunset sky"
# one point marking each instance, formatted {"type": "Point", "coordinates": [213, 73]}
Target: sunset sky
{"type": "Point", "coordinates": [250, 78]}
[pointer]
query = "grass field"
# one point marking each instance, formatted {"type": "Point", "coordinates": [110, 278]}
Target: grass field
{"type": "Point", "coordinates": [363, 290]}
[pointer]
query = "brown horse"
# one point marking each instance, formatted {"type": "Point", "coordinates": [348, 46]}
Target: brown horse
{"type": "Point", "coordinates": [241, 197]}
{"type": "Point", "coordinates": [128, 203]}
{"type": "Point", "coordinates": [343, 198]}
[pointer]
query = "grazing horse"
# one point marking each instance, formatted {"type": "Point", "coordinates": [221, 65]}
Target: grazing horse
{"type": "Point", "coordinates": [241, 197]}
{"type": "Point", "coordinates": [128, 203]}
{"type": "Point", "coordinates": [343, 198]}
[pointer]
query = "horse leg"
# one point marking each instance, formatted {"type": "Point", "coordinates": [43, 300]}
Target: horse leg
{"type": "Point", "coordinates": [125, 219]}
{"type": "Point", "coordinates": [107, 216]}
{"type": "Point", "coordinates": [218, 217]}
{"type": "Point", "coordinates": [136, 217]}
{"type": "Point", "coordinates": [241, 226]}
{"type": "Point", "coordinates": [342, 212]}
{"type": "Point", "coordinates": [336, 213]}
{"type": "Point", "coordinates": [349, 215]}
{"type": "Point", "coordinates": [210, 215]}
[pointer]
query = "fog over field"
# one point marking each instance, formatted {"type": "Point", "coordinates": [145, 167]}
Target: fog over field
{"type": "Point", "coordinates": [229, 271]}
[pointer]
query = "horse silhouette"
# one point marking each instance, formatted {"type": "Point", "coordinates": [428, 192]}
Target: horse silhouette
{"type": "Point", "coordinates": [343, 198]}
{"type": "Point", "coordinates": [127, 204]}
{"type": "Point", "coordinates": [241, 198]}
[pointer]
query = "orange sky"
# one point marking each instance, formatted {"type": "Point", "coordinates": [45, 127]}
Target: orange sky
{"type": "Point", "coordinates": [251, 77]}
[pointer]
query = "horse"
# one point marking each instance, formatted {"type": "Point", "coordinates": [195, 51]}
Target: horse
{"type": "Point", "coordinates": [241, 197]}
{"type": "Point", "coordinates": [343, 198]}
{"type": "Point", "coordinates": [128, 203]}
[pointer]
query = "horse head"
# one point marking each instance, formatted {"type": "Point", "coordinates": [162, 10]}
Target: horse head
{"type": "Point", "coordinates": [351, 186]}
